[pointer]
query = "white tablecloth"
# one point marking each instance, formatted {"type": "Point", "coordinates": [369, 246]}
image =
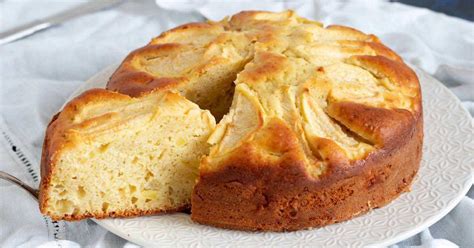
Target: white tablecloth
{"type": "Point", "coordinates": [38, 73]}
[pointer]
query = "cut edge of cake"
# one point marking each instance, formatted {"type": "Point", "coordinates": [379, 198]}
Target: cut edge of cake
{"type": "Point", "coordinates": [110, 155]}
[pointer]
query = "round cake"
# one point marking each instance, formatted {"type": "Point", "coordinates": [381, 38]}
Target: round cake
{"type": "Point", "coordinates": [315, 125]}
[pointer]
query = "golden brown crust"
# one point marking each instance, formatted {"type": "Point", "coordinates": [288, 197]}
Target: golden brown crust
{"type": "Point", "coordinates": [382, 66]}
{"type": "Point", "coordinates": [45, 166]}
{"type": "Point", "coordinates": [129, 213]}
{"type": "Point", "coordinates": [247, 194]}
{"type": "Point", "coordinates": [327, 150]}
{"type": "Point", "coordinates": [266, 66]}
{"type": "Point", "coordinates": [248, 18]}
{"type": "Point", "coordinates": [357, 33]}
{"type": "Point", "coordinates": [128, 80]}
{"type": "Point", "coordinates": [133, 80]}
{"type": "Point", "coordinates": [384, 51]}
{"type": "Point", "coordinates": [195, 26]}
{"type": "Point", "coordinates": [383, 127]}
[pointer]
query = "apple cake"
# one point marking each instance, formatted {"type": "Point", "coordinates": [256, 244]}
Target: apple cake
{"type": "Point", "coordinates": [315, 124]}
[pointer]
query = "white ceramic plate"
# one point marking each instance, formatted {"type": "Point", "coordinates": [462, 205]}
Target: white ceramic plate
{"type": "Point", "coordinates": [444, 178]}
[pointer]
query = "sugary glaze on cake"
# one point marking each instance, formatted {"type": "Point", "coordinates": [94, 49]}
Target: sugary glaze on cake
{"type": "Point", "coordinates": [316, 124]}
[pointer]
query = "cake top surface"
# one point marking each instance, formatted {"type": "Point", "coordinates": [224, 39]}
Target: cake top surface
{"type": "Point", "coordinates": [320, 95]}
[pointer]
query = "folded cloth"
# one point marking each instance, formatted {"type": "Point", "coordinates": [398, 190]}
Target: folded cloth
{"type": "Point", "coordinates": [38, 73]}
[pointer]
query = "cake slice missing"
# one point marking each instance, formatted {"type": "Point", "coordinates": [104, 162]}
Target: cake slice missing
{"type": "Point", "coordinates": [110, 155]}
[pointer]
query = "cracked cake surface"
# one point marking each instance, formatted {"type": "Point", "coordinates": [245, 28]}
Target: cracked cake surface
{"type": "Point", "coordinates": [315, 125]}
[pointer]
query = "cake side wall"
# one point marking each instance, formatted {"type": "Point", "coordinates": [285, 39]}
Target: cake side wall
{"type": "Point", "coordinates": [248, 196]}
